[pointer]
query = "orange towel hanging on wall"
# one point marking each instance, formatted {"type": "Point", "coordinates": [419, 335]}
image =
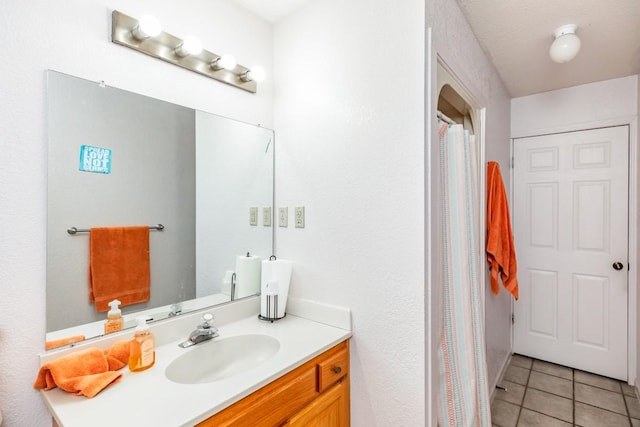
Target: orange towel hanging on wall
{"type": "Point", "coordinates": [119, 265]}
{"type": "Point", "coordinates": [501, 251]}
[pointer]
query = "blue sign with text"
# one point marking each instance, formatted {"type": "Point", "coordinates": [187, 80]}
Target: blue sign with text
{"type": "Point", "coordinates": [95, 159]}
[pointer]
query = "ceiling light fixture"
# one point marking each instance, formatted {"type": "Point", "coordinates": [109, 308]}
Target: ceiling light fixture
{"type": "Point", "coordinates": [566, 45]}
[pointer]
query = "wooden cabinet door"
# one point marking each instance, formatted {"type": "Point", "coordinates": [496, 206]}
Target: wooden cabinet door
{"type": "Point", "coordinates": [330, 409]}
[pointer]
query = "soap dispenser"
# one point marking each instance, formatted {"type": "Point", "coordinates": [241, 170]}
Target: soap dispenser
{"type": "Point", "coordinates": [114, 318]}
{"type": "Point", "coordinates": [142, 351]}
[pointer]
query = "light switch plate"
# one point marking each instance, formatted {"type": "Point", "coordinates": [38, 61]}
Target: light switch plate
{"type": "Point", "coordinates": [299, 216]}
{"type": "Point", "coordinates": [253, 216]}
{"type": "Point", "coordinates": [283, 216]}
{"type": "Point", "coordinates": [266, 216]}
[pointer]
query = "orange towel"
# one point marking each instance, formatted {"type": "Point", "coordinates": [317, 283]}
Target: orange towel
{"type": "Point", "coordinates": [119, 265]}
{"type": "Point", "coordinates": [118, 355]}
{"type": "Point", "coordinates": [86, 372]}
{"type": "Point", "coordinates": [63, 341]}
{"type": "Point", "coordinates": [501, 251]}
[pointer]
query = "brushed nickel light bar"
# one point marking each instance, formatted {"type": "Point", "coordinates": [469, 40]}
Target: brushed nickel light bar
{"type": "Point", "coordinates": [145, 36]}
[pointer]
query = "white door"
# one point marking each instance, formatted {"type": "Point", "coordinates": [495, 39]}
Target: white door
{"type": "Point", "coordinates": [570, 221]}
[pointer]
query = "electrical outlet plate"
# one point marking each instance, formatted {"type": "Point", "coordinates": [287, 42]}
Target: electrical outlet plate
{"type": "Point", "coordinates": [283, 217]}
{"type": "Point", "coordinates": [299, 216]}
{"type": "Point", "coordinates": [266, 216]}
{"type": "Point", "coordinates": [253, 216]}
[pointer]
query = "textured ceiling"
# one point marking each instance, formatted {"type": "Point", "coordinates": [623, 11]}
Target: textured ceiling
{"type": "Point", "coordinates": [516, 35]}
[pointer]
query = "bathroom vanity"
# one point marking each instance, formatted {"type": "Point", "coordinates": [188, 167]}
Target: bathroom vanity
{"type": "Point", "coordinates": [292, 372]}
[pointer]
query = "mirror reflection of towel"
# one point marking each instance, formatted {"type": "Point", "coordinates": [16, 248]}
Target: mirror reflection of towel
{"type": "Point", "coordinates": [119, 266]}
{"type": "Point", "coordinates": [63, 341]}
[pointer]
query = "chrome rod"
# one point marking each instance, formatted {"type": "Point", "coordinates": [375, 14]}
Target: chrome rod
{"type": "Point", "coordinates": [445, 118]}
{"type": "Point", "coordinates": [74, 230]}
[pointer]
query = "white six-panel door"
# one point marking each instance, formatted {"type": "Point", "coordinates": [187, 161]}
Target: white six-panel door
{"type": "Point", "coordinates": [570, 219]}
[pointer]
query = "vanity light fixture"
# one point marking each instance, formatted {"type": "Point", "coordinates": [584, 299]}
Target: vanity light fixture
{"type": "Point", "coordinates": [146, 36]}
{"type": "Point", "coordinates": [566, 45]}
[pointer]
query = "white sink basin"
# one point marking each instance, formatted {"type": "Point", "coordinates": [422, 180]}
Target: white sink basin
{"type": "Point", "coordinates": [221, 358]}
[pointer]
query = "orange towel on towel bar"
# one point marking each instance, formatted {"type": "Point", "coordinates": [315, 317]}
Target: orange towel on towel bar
{"type": "Point", "coordinates": [501, 251]}
{"type": "Point", "coordinates": [119, 266]}
{"type": "Point", "coordinates": [86, 372]}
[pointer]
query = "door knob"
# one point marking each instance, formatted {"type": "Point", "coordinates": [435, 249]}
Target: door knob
{"type": "Point", "coordinates": [617, 265]}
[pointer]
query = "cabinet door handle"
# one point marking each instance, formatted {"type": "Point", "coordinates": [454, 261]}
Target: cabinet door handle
{"type": "Point", "coordinates": [337, 369]}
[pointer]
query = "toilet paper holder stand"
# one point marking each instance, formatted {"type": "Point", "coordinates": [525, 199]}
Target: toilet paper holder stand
{"type": "Point", "coordinates": [270, 296]}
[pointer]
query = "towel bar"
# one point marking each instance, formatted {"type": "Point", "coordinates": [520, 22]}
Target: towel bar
{"type": "Point", "coordinates": [74, 230]}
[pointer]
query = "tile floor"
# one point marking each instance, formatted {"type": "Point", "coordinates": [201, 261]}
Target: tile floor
{"type": "Point", "coordinates": [543, 394]}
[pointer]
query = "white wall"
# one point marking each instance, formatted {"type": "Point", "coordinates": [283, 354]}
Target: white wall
{"type": "Point", "coordinates": [571, 108]}
{"type": "Point", "coordinates": [73, 36]}
{"type": "Point", "coordinates": [350, 112]}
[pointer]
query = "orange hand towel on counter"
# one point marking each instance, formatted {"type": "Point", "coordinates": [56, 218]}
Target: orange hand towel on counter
{"type": "Point", "coordinates": [86, 372]}
{"type": "Point", "coordinates": [501, 251]}
{"type": "Point", "coordinates": [119, 265]}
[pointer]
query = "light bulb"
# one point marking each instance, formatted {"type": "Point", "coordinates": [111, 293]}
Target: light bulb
{"type": "Point", "coordinates": [226, 61]}
{"type": "Point", "coordinates": [190, 46]}
{"type": "Point", "coordinates": [566, 45]}
{"type": "Point", "coordinates": [256, 74]}
{"type": "Point", "coordinates": [148, 26]}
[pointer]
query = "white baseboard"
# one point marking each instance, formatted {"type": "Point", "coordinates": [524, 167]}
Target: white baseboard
{"type": "Point", "coordinates": [503, 370]}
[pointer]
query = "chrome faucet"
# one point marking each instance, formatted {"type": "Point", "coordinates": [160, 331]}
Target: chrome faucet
{"type": "Point", "coordinates": [204, 332]}
{"type": "Point", "coordinates": [176, 309]}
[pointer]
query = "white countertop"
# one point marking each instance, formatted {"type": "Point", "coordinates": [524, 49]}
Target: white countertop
{"type": "Point", "coordinates": [149, 398]}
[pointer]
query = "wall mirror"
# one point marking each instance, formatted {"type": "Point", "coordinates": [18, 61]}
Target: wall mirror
{"type": "Point", "coordinates": [117, 158]}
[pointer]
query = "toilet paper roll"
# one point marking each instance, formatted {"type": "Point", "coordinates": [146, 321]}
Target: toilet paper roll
{"type": "Point", "coordinates": [269, 299]}
{"type": "Point", "coordinates": [271, 288]}
{"type": "Point", "coordinates": [248, 275]}
{"type": "Point", "coordinates": [278, 272]}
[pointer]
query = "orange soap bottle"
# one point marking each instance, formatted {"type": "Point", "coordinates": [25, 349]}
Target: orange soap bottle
{"type": "Point", "coordinates": [142, 351]}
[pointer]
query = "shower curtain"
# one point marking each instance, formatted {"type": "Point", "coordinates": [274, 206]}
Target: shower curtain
{"type": "Point", "coordinates": [464, 394]}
